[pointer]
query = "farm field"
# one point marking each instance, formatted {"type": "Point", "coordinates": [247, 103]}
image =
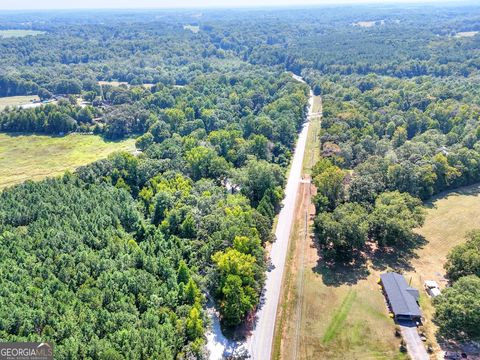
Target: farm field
{"type": "Point", "coordinates": [123, 83]}
{"type": "Point", "coordinates": [16, 100]}
{"type": "Point", "coordinates": [19, 33]}
{"type": "Point", "coordinates": [113, 83]}
{"type": "Point", "coordinates": [368, 24]}
{"type": "Point", "coordinates": [450, 216]}
{"type": "Point", "coordinates": [317, 104]}
{"type": "Point", "coordinates": [34, 157]}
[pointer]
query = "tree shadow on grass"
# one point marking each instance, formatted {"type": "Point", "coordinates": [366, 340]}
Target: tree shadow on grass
{"type": "Point", "coordinates": [451, 344]}
{"type": "Point", "coordinates": [336, 273]}
{"type": "Point", "coordinates": [473, 189]}
{"type": "Point", "coordinates": [20, 134]}
{"type": "Point", "coordinates": [397, 258]}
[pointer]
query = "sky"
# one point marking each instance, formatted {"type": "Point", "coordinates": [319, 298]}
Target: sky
{"type": "Point", "coordinates": [130, 4]}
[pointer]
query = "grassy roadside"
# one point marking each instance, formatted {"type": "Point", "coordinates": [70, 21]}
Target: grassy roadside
{"type": "Point", "coordinates": [312, 147]}
{"type": "Point", "coordinates": [312, 150]}
{"type": "Point", "coordinates": [323, 314]}
{"type": "Point", "coordinates": [289, 298]}
{"type": "Point", "coordinates": [34, 157]}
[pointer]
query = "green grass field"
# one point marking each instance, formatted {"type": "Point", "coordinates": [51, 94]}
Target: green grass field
{"type": "Point", "coordinates": [113, 83]}
{"type": "Point", "coordinates": [19, 33]}
{"type": "Point", "coordinates": [349, 321]}
{"type": "Point", "coordinates": [312, 153]}
{"type": "Point", "coordinates": [338, 319]}
{"type": "Point", "coordinates": [16, 100]}
{"type": "Point", "coordinates": [450, 216]}
{"type": "Point", "coordinates": [317, 104]}
{"type": "Point", "coordinates": [36, 157]}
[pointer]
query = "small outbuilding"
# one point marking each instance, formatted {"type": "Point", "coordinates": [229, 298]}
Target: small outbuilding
{"type": "Point", "coordinates": [402, 298]}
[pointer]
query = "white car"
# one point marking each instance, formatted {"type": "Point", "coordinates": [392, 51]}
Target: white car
{"type": "Point", "coordinates": [431, 287]}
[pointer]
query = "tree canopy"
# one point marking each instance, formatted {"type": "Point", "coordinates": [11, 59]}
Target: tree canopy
{"type": "Point", "coordinates": [457, 309]}
{"type": "Point", "coordinates": [464, 259]}
{"type": "Point", "coordinates": [115, 260]}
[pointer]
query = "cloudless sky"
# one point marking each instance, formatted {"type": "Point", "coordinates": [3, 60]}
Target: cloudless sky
{"type": "Point", "coordinates": [130, 4]}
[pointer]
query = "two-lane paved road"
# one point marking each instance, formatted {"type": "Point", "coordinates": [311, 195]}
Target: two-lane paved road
{"type": "Point", "coordinates": [260, 343]}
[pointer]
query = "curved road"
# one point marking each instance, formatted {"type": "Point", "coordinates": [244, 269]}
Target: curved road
{"type": "Point", "coordinates": [259, 344]}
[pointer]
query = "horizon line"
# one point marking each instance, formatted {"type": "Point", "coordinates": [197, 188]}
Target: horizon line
{"type": "Point", "coordinates": [329, 3]}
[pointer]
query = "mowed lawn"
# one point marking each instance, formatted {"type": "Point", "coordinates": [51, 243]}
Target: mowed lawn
{"type": "Point", "coordinates": [193, 28]}
{"type": "Point", "coordinates": [343, 321]}
{"type": "Point", "coordinates": [16, 100]}
{"type": "Point", "coordinates": [35, 157]}
{"type": "Point", "coordinates": [338, 320]}
{"type": "Point", "coordinates": [317, 104]}
{"type": "Point", "coordinates": [450, 216]}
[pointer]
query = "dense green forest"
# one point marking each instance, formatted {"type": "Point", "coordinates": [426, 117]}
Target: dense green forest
{"type": "Point", "coordinates": [80, 48]}
{"type": "Point", "coordinates": [139, 240]}
{"type": "Point", "coordinates": [118, 259]}
{"type": "Point", "coordinates": [418, 137]}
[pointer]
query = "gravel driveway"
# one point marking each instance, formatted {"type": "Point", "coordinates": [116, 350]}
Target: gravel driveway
{"type": "Point", "coordinates": [415, 346]}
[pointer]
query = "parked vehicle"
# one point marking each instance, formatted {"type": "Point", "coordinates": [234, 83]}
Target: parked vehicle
{"type": "Point", "coordinates": [431, 287]}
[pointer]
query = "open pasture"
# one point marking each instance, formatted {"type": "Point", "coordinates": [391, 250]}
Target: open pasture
{"type": "Point", "coordinates": [35, 157]}
{"type": "Point", "coordinates": [19, 33]}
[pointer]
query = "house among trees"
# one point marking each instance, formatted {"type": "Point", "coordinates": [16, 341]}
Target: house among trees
{"type": "Point", "coordinates": [402, 298]}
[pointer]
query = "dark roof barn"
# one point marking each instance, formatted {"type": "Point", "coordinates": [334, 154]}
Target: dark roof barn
{"type": "Point", "coordinates": [402, 298]}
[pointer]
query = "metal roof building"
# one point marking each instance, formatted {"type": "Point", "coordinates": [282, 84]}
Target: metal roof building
{"type": "Point", "coordinates": [403, 299]}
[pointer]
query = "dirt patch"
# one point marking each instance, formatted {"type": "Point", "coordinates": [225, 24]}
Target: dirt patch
{"type": "Point", "coordinates": [17, 100]}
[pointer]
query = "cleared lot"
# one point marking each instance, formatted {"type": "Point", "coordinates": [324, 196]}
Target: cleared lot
{"type": "Point", "coordinates": [16, 100]}
{"type": "Point", "coordinates": [24, 157]}
{"type": "Point", "coordinates": [19, 33]}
